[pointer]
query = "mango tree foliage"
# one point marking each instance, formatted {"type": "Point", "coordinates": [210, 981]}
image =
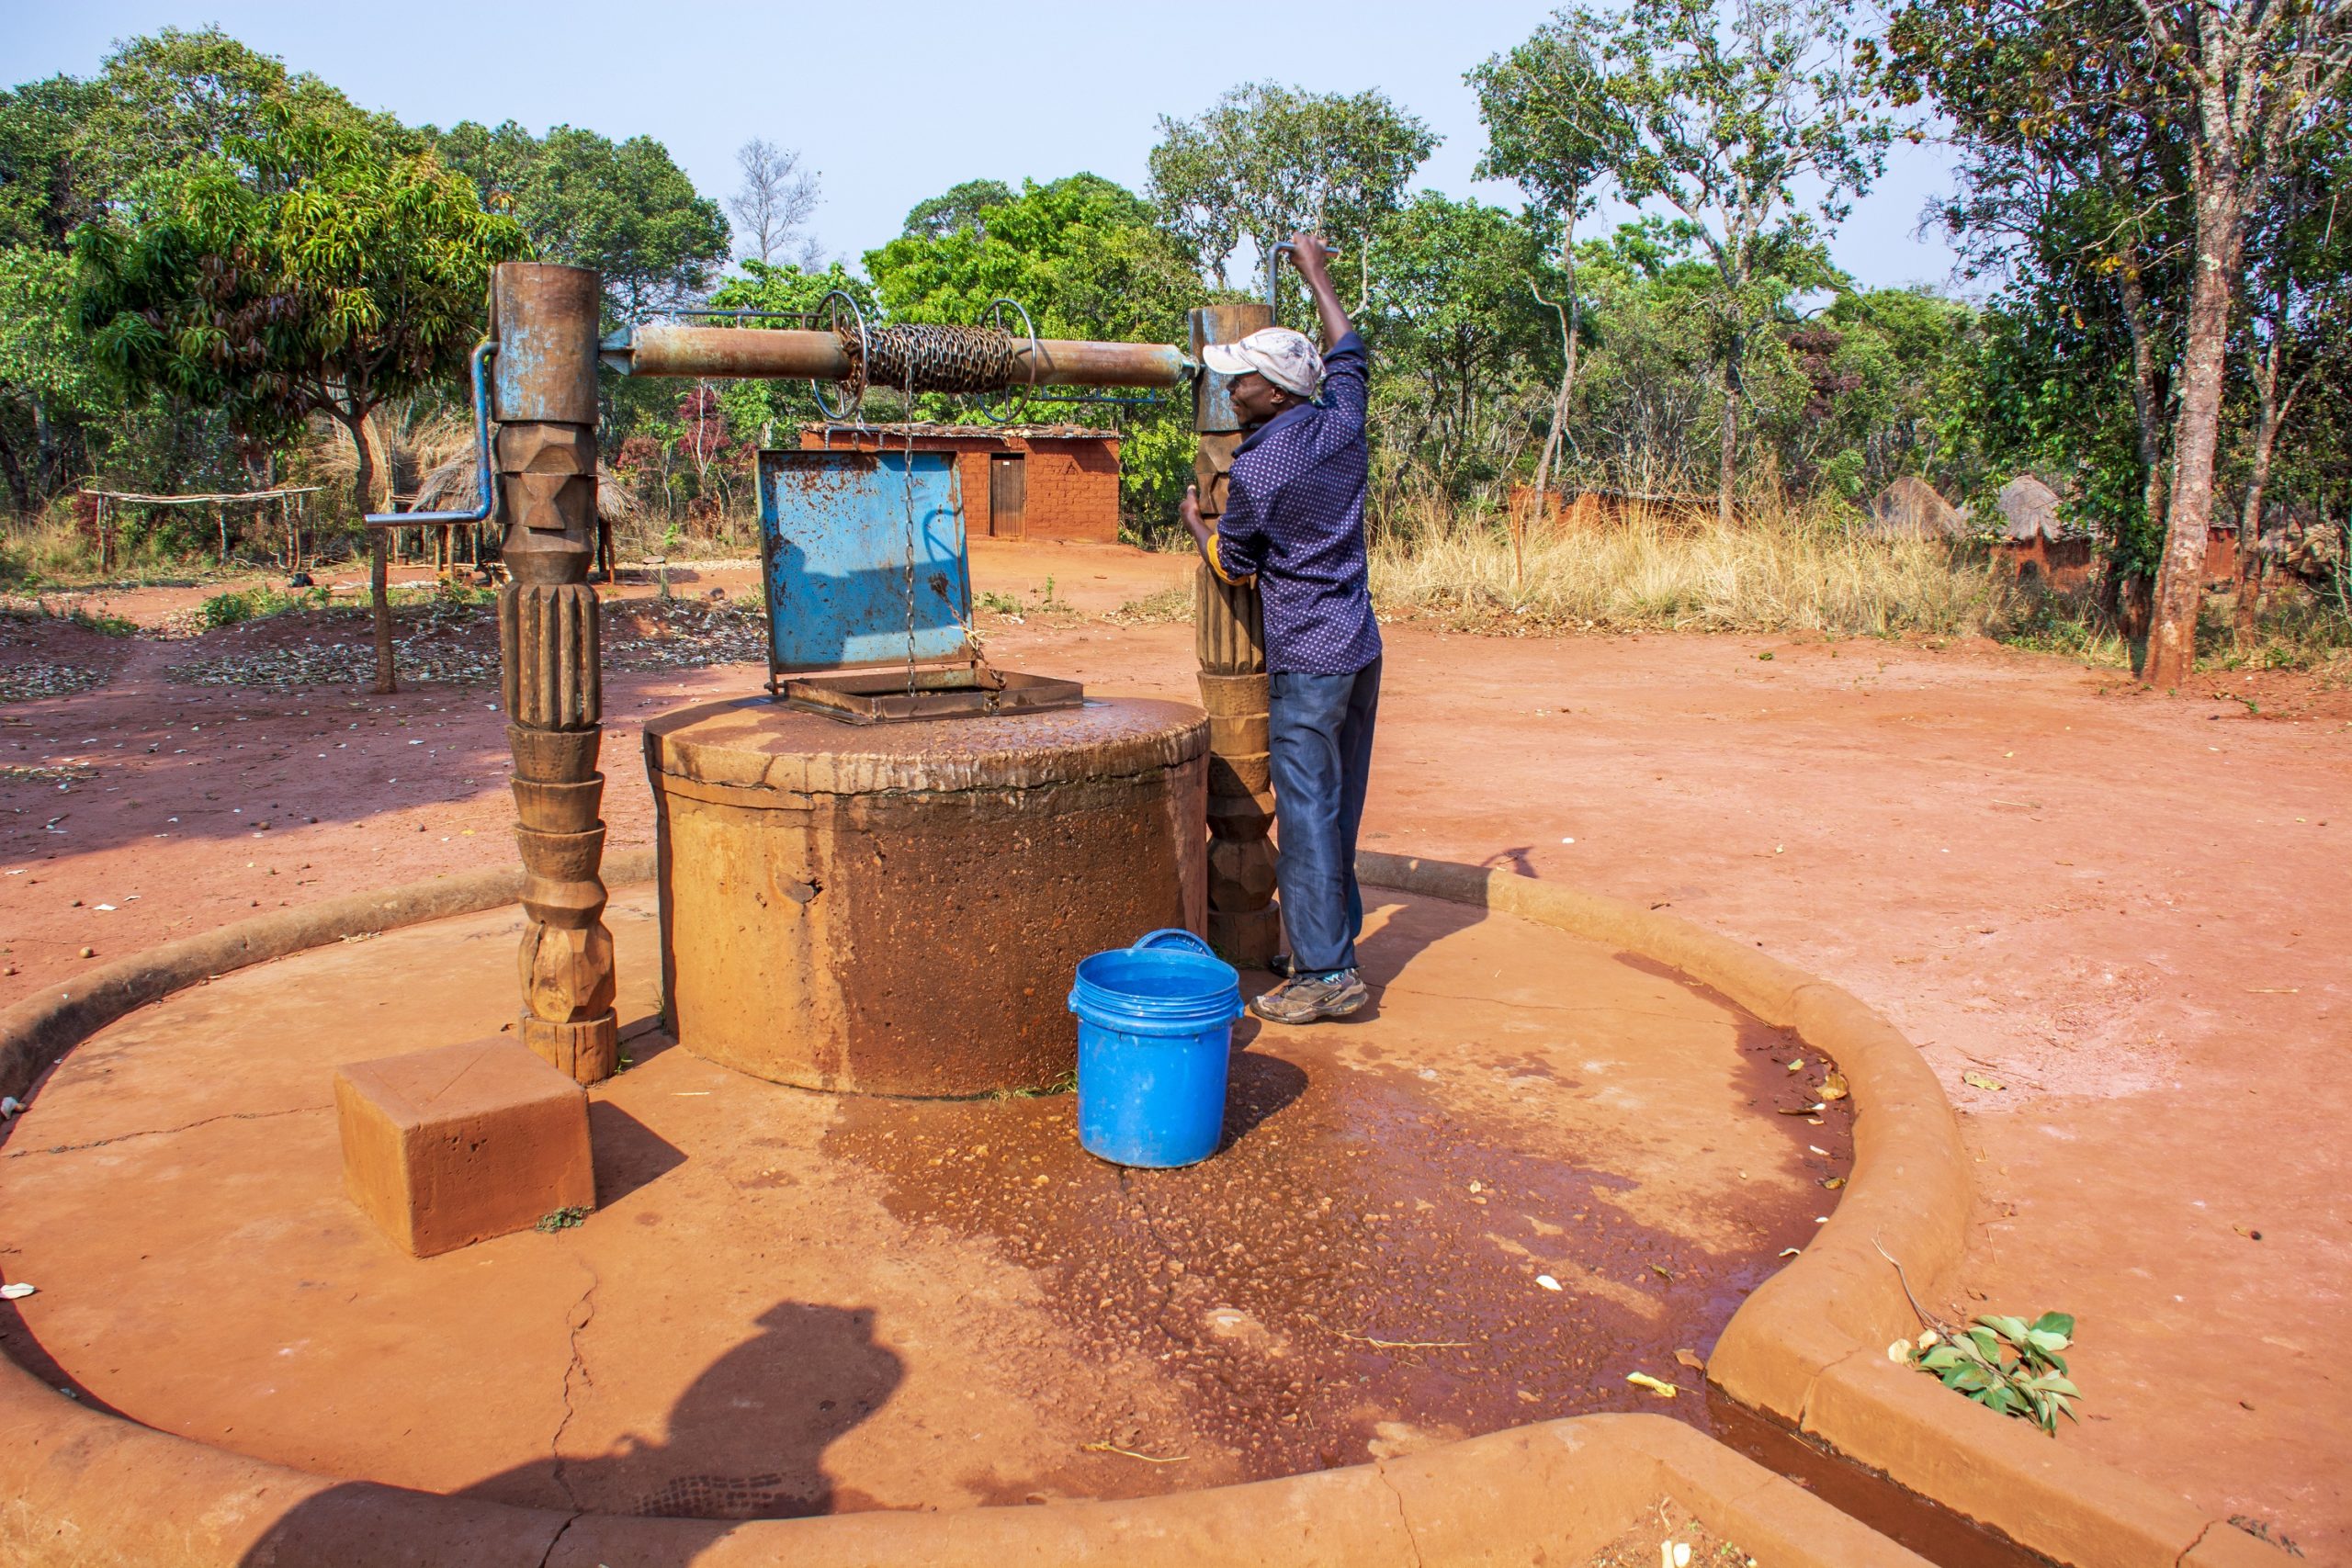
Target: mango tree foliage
{"type": "Point", "coordinates": [305, 271]}
{"type": "Point", "coordinates": [625, 209]}
{"type": "Point", "coordinates": [47, 188]}
{"type": "Point", "coordinates": [69, 152]}
{"type": "Point", "coordinates": [175, 97]}
{"type": "Point", "coordinates": [1265, 159]}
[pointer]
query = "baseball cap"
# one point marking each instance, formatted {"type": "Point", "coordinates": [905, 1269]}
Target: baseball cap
{"type": "Point", "coordinates": [1281, 354]}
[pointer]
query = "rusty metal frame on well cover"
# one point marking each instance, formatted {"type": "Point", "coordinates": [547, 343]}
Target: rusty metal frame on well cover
{"type": "Point", "coordinates": [866, 570]}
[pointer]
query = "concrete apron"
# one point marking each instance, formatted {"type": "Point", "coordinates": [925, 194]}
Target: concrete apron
{"type": "Point", "coordinates": [1805, 1352]}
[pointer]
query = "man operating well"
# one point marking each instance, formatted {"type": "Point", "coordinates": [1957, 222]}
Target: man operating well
{"type": "Point", "coordinates": [1294, 521]}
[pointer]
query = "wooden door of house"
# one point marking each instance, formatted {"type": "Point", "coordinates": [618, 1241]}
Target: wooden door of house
{"type": "Point", "coordinates": [1008, 494]}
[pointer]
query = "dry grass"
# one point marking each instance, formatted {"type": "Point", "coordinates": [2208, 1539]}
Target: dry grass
{"type": "Point", "coordinates": [45, 550]}
{"type": "Point", "coordinates": [1776, 572]}
{"type": "Point", "coordinates": [1157, 609]}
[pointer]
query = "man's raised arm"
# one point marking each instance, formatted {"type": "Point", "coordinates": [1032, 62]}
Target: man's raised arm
{"type": "Point", "coordinates": [1312, 257]}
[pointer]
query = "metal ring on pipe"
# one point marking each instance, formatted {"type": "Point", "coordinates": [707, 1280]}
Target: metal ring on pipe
{"type": "Point", "coordinates": [1036, 358]}
{"type": "Point", "coordinates": [855, 413]}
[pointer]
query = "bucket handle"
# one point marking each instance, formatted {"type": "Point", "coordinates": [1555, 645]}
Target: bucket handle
{"type": "Point", "coordinates": [1174, 936]}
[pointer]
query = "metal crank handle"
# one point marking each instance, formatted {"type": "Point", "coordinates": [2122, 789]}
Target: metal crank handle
{"type": "Point", "coordinates": [1274, 262]}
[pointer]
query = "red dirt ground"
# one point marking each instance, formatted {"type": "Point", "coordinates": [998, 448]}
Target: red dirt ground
{"type": "Point", "coordinates": [1533, 1166]}
{"type": "Point", "coordinates": [2126, 909]}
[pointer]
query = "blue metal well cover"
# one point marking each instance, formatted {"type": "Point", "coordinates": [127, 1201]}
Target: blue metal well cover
{"type": "Point", "coordinates": [837, 530]}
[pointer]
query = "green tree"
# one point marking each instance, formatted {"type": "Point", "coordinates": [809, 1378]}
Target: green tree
{"type": "Point", "coordinates": [1266, 160]}
{"type": "Point", "coordinates": [172, 98]}
{"type": "Point", "coordinates": [2292, 335]}
{"type": "Point", "coordinates": [1729, 114]}
{"type": "Point", "coordinates": [70, 150]}
{"type": "Point", "coordinates": [754, 407]}
{"type": "Point", "coordinates": [2073, 193]}
{"type": "Point", "coordinates": [46, 188]}
{"type": "Point", "coordinates": [1087, 259]}
{"type": "Point", "coordinates": [305, 271]}
{"type": "Point", "coordinates": [625, 209]}
{"type": "Point", "coordinates": [1456, 335]}
{"type": "Point", "coordinates": [1901, 357]}
{"type": "Point", "coordinates": [966, 206]}
{"type": "Point", "coordinates": [2233, 93]}
{"type": "Point", "coordinates": [49, 383]}
{"type": "Point", "coordinates": [1553, 129]}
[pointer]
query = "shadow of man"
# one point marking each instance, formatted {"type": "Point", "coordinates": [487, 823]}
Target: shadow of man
{"type": "Point", "coordinates": [746, 1440]}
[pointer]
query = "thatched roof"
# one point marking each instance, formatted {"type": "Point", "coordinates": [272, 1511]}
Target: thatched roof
{"type": "Point", "coordinates": [455, 487]}
{"type": "Point", "coordinates": [2030, 509]}
{"type": "Point", "coordinates": [1911, 508]}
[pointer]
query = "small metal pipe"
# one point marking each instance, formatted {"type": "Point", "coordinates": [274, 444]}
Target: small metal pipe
{"type": "Point", "coordinates": [1273, 267]}
{"type": "Point", "coordinates": [662, 348]}
{"type": "Point", "coordinates": [487, 495]}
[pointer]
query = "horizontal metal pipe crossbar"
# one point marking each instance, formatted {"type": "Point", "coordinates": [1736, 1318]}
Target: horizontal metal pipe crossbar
{"type": "Point", "coordinates": [664, 348]}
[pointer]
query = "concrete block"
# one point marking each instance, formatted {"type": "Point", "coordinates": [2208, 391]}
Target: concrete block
{"type": "Point", "coordinates": [447, 1148]}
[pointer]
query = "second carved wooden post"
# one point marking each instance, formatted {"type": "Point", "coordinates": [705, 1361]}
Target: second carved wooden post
{"type": "Point", "coordinates": [544, 399]}
{"type": "Point", "coordinates": [1245, 925]}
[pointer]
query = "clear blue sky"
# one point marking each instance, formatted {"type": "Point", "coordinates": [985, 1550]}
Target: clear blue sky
{"type": "Point", "coordinates": [895, 100]}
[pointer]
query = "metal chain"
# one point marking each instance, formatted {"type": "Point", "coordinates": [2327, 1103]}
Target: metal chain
{"type": "Point", "coordinates": [926, 357]}
{"type": "Point", "coordinates": [910, 526]}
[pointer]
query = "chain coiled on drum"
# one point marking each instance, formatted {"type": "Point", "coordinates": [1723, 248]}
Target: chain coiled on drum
{"type": "Point", "coordinates": [924, 357]}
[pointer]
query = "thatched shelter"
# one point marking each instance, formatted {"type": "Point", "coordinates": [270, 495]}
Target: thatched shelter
{"type": "Point", "coordinates": [2029, 512]}
{"type": "Point", "coordinates": [454, 486]}
{"type": "Point", "coordinates": [1911, 508]}
{"type": "Point", "coordinates": [2037, 543]}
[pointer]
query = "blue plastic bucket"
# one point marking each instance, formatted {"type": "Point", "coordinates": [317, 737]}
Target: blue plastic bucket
{"type": "Point", "coordinates": [1154, 1028]}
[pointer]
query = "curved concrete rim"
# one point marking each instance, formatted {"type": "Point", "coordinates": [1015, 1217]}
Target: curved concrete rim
{"type": "Point", "coordinates": [754, 744]}
{"type": "Point", "coordinates": [1799, 1350]}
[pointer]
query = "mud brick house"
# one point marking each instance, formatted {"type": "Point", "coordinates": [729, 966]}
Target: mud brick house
{"type": "Point", "coordinates": [1020, 481]}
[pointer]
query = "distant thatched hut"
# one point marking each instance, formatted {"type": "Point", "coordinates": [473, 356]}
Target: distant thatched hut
{"type": "Point", "coordinates": [2036, 542]}
{"type": "Point", "coordinates": [1910, 508]}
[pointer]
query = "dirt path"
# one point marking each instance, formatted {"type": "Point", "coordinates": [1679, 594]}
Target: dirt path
{"type": "Point", "coordinates": [2126, 910]}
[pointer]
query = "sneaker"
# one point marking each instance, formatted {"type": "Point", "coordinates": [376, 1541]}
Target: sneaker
{"type": "Point", "coordinates": [1279, 967]}
{"type": "Point", "coordinates": [1302, 999]}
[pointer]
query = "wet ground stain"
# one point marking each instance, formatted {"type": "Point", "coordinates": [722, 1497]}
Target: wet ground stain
{"type": "Point", "coordinates": [1356, 1273]}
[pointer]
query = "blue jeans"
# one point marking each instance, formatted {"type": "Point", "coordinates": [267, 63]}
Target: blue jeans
{"type": "Point", "coordinates": [1321, 760]}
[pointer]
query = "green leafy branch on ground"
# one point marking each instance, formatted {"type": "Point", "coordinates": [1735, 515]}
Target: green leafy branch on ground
{"type": "Point", "coordinates": [2003, 1363]}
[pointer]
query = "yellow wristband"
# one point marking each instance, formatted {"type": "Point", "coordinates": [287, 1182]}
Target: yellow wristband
{"type": "Point", "coordinates": [1217, 565]}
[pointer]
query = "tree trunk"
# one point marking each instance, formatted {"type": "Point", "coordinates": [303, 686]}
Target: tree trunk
{"type": "Point", "coordinates": [1729, 455]}
{"type": "Point", "coordinates": [19, 487]}
{"type": "Point", "coordinates": [45, 449]}
{"type": "Point", "coordinates": [2180, 581]}
{"type": "Point", "coordinates": [378, 564]}
{"type": "Point", "coordinates": [2147, 407]}
{"type": "Point", "coordinates": [2271, 414]}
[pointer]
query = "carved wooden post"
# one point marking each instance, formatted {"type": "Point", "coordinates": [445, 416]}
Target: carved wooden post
{"type": "Point", "coordinates": [1229, 636]}
{"type": "Point", "coordinates": [544, 399]}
